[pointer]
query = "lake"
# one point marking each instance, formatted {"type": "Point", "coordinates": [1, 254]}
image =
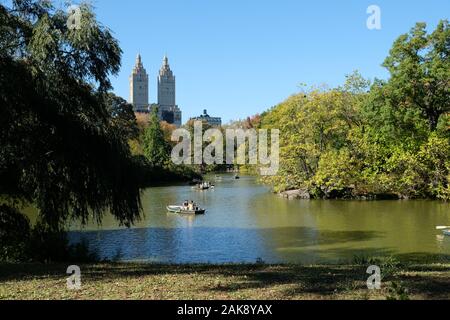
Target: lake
{"type": "Point", "coordinates": [245, 223]}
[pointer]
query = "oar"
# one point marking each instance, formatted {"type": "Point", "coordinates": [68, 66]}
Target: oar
{"type": "Point", "coordinates": [442, 227]}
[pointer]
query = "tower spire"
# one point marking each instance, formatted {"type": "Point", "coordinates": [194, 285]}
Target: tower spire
{"type": "Point", "coordinates": [138, 60]}
{"type": "Point", "coordinates": [165, 68]}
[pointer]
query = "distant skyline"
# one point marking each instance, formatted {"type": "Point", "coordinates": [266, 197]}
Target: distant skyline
{"type": "Point", "coordinates": [238, 58]}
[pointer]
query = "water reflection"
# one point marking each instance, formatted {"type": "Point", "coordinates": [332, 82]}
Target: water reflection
{"type": "Point", "coordinates": [181, 245]}
{"type": "Point", "coordinates": [245, 222]}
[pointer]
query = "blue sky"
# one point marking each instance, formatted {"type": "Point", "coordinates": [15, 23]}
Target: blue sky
{"type": "Point", "coordinates": [240, 57]}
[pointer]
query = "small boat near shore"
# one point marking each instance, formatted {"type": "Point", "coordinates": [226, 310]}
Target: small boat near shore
{"type": "Point", "coordinates": [183, 210]}
{"type": "Point", "coordinates": [203, 186]}
{"type": "Point", "coordinates": [445, 230]}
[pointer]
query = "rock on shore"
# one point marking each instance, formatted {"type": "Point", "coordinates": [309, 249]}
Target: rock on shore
{"type": "Point", "coordinates": [296, 194]}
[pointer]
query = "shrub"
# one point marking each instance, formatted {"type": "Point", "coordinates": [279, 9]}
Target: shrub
{"type": "Point", "coordinates": [47, 246]}
{"type": "Point", "coordinates": [21, 243]}
{"type": "Point", "coordinates": [14, 235]}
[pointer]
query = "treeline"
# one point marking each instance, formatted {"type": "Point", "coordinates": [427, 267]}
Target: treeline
{"type": "Point", "coordinates": [373, 140]}
{"type": "Point", "coordinates": [152, 146]}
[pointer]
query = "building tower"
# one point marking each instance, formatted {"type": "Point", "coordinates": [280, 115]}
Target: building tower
{"type": "Point", "coordinates": [139, 87]}
{"type": "Point", "coordinates": [168, 110]}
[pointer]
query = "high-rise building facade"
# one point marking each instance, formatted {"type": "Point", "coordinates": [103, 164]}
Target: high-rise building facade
{"type": "Point", "coordinates": [167, 109]}
{"type": "Point", "coordinates": [139, 87]}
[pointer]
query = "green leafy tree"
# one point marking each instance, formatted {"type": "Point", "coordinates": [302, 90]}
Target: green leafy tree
{"type": "Point", "coordinates": [390, 140]}
{"type": "Point", "coordinates": [419, 64]}
{"type": "Point", "coordinates": [123, 117]}
{"type": "Point", "coordinates": [156, 148]}
{"type": "Point", "coordinates": [309, 126]}
{"type": "Point", "coordinates": [60, 149]}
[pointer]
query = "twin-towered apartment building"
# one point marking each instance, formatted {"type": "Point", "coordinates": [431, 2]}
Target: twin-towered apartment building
{"type": "Point", "coordinates": [168, 110]}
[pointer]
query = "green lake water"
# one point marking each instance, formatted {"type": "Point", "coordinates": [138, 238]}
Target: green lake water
{"type": "Point", "coordinates": [244, 223]}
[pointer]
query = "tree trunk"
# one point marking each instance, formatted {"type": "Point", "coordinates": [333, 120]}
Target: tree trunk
{"type": "Point", "coordinates": [433, 120]}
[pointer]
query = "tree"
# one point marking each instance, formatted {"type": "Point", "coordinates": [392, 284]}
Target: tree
{"type": "Point", "coordinates": [59, 147]}
{"type": "Point", "coordinates": [123, 117]}
{"type": "Point", "coordinates": [309, 126]}
{"type": "Point", "coordinates": [156, 148]}
{"type": "Point", "coordinates": [419, 64]}
{"type": "Point", "coordinates": [168, 129]}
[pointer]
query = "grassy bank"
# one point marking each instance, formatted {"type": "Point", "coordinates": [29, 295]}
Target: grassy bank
{"type": "Point", "coordinates": [144, 281]}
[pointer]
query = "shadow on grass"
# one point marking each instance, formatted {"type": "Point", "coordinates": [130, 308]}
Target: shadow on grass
{"type": "Point", "coordinates": [426, 275]}
{"type": "Point", "coordinates": [324, 280]}
{"type": "Point", "coordinates": [314, 279]}
{"type": "Point", "coordinates": [427, 281]}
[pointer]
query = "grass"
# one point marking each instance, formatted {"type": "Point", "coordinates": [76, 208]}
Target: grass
{"type": "Point", "coordinates": [126, 281]}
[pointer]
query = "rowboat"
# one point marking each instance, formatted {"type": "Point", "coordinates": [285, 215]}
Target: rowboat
{"type": "Point", "coordinates": [446, 232]}
{"type": "Point", "coordinates": [182, 210]}
{"type": "Point", "coordinates": [203, 186]}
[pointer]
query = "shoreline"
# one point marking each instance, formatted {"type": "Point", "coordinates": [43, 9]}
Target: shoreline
{"type": "Point", "coordinates": [304, 194]}
{"type": "Point", "coordinates": [129, 281]}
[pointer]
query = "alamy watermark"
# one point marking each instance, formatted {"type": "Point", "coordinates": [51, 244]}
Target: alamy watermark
{"type": "Point", "coordinates": [238, 151]}
{"type": "Point", "coordinates": [74, 17]}
{"type": "Point", "coordinates": [374, 20]}
{"type": "Point", "coordinates": [74, 281]}
{"type": "Point", "coordinates": [374, 281]}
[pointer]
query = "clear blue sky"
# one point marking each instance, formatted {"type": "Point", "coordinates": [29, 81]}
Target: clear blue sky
{"type": "Point", "coordinates": [240, 57]}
